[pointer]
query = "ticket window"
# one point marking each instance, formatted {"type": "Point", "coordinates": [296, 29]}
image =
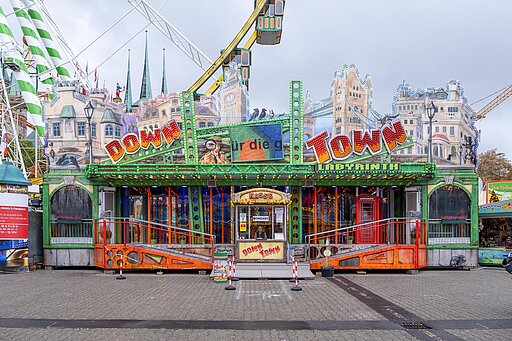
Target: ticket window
{"type": "Point", "coordinates": [279, 222]}
{"type": "Point", "coordinates": [261, 222]}
{"type": "Point", "coordinates": [243, 223]}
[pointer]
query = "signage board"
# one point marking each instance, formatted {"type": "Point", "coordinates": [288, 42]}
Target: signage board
{"type": "Point", "coordinates": [342, 147]}
{"type": "Point", "coordinates": [260, 218]}
{"type": "Point", "coordinates": [13, 216]}
{"type": "Point", "coordinates": [358, 167]}
{"type": "Point", "coordinates": [258, 250]}
{"type": "Point", "coordinates": [131, 143]}
{"type": "Point", "coordinates": [261, 196]}
{"type": "Point", "coordinates": [13, 222]}
{"type": "Point", "coordinates": [220, 266]}
{"type": "Point", "coordinates": [499, 191]}
{"type": "Point", "coordinates": [256, 143]}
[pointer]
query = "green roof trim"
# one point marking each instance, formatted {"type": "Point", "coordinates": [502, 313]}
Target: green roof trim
{"type": "Point", "coordinates": [68, 111]}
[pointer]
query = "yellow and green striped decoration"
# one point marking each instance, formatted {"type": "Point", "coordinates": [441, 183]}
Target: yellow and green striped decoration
{"type": "Point", "coordinates": [28, 92]}
{"type": "Point", "coordinates": [32, 40]}
{"type": "Point", "coordinates": [46, 38]}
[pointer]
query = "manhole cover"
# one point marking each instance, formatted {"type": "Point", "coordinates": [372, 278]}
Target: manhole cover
{"type": "Point", "coordinates": [414, 325]}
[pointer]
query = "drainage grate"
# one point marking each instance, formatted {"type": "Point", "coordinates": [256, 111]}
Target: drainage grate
{"type": "Point", "coordinates": [414, 325]}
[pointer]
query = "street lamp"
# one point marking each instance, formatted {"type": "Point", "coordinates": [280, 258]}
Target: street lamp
{"type": "Point", "coordinates": [89, 111]}
{"type": "Point", "coordinates": [461, 148]}
{"type": "Point", "coordinates": [431, 110]}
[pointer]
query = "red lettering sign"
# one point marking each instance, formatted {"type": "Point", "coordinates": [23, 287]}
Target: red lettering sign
{"type": "Point", "coordinates": [130, 143]}
{"type": "Point", "coordinates": [260, 196]}
{"type": "Point", "coordinates": [341, 147]}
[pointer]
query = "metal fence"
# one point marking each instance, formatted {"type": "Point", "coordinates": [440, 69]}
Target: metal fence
{"type": "Point", "coordinates": [71, 231]}
{"type": "Point", "coordinates": [440, 232]}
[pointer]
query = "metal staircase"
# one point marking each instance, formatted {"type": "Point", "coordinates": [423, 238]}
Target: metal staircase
{"type": "Point", "coordinates": [393, 243]}
{"type": "Point", "coordinates": [141, 244]}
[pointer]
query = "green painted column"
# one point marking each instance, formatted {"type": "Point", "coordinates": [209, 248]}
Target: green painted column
{"type": "Point", "coordinates": [296, 123]}
{"type": "Point", "coordinates": [188, 118]}
{"type": "Point", "coordinates": [46, 215]}
{"type": "Point", "coordinates": [424, 202]}
{"type": "Point", "coordinates": [474, 215]}
{"type": "Point", "coordinates": [295, 216]}
{"type": "Point", "coordinates": [196, 211]}
{"type": "Point", "coordinates": [424, 206]}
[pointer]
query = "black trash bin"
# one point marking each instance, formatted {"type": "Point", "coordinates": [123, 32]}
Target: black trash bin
{"type": "Point", "coordinates": [327, 271]}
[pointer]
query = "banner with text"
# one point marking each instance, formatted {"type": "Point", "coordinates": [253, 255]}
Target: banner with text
{"type": "Point", "coordinates": [256, 143]}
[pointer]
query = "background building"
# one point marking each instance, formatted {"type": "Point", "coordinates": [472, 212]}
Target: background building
{"type": "Point", "coordinates": [233, 98]}
{"type": "Point", "coordinates": [454, 134]}
{"type": "Point", "coordinates": [348, 107]}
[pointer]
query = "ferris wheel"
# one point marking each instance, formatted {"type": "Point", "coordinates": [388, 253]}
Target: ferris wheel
{"type": "Point", "coordinates": [267, 18]}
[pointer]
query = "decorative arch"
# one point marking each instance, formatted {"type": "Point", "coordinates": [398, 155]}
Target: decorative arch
{"type": "Point", "coordinates": [71, 202]}
{"type": "Point", "coordinates": [449, 202]}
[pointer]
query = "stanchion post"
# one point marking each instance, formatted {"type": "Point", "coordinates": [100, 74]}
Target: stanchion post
{"type": "Point", "coordinates": [296, 270]}
{"type": "Point", "coordinates": [230, 285]}
{"type": "Point", "coordinates": [234, 278]}
{"type": "Point", "coordinates": [292, 280]}
{"type": "Point", "coordinates": [121, 269]}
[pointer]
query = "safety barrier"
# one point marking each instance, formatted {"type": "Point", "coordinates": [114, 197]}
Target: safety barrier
{"type": "Point", "coordinates": [295, 275]}
{"type": "Point", "coordinates": [230, 285]}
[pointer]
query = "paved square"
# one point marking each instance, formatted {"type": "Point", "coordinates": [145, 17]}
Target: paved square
{"type": "Point", "coordinates": [90, 305]}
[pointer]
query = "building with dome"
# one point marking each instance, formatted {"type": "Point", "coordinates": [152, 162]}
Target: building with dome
{"type": "Point", "coordinates": [454, 135]}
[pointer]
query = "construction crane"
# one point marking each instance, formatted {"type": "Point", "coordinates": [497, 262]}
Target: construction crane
{"type": "Point", "coordinates": [503, 95]}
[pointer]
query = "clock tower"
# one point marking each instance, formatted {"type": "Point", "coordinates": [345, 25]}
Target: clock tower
{"type": "Point", "coordinates": [233, 98]}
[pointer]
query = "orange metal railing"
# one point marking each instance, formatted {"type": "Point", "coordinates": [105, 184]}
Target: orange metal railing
{"type": "Point", "coordinates": [391, 231]}
{"type": "Point", "coordinates": [135, 232]}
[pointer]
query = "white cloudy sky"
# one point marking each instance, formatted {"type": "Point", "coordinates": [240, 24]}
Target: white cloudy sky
{"type": "Point", "coordinates": [424, 42]}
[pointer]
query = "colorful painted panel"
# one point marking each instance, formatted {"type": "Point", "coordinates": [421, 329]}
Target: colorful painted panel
{"type": "Point", "coordinates": [497, 208]}
{"type": "Point", "coordinates": [256, 143]}
{"type": "Point", "coordinates": [492, 256]}
{"type": "Point", "coordinates": [499, 191]}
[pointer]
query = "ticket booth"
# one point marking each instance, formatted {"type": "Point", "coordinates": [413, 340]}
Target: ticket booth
{"type": "Point", "coordinates": [261, 225]}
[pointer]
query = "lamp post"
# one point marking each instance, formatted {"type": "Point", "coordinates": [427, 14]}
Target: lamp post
{"type": "Point", "coordinates": [461, 148]}
{"type": "Point", "coordinates": [469, 145]}
{"type": "Point", "coordinates": [431, 110]}
{"type": "Point", "coordinates": [89, 111]}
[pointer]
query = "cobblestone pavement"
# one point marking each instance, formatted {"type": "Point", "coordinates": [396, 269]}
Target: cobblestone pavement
{"type": "Point", "coordinates": [81, 295]}
{"type": "Point", "coordinates": [194, 335]}
{"type": "Point", "coordinates": [446, 295]}
{"type": "Point", "coordinates": [92, 295]}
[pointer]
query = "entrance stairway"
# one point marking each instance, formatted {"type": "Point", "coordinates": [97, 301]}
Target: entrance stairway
{"type": "Point", "coordinates": [394, 243]}
{"type": "Point", "coordinates": [149, 245]}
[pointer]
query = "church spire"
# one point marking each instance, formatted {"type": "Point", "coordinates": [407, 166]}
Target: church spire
{"type": "Point", "coordinates": [128, 101]}
{"type": "Point", "coordinates": [145, 88]}
{"type": "Point", "coordinates": [163, 90]}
